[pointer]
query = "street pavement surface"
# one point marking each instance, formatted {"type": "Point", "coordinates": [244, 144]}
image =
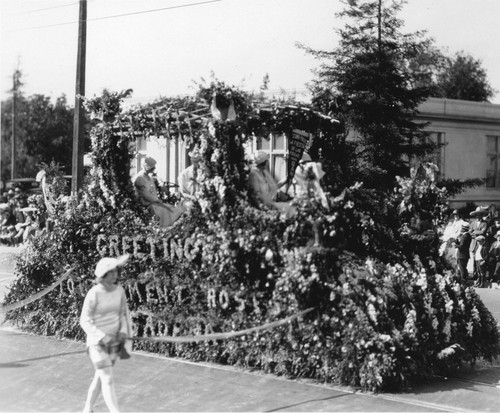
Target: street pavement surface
{"type": "Point", "coordinates": [46, 374]}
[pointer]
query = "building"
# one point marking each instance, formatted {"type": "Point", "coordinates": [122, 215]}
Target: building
{"type": "Point", "coordinates": [470, 132]}
{"type": "Point", "coordinates": [172, 155]}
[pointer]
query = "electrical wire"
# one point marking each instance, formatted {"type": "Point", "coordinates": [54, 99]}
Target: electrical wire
{"type": "Point", "coordinates": [119, 15]}
{"type": "Point", "coordinates": [51, 8]}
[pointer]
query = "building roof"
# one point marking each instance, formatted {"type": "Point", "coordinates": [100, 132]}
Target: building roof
{"type": "Point", "coordinates": [440, 108]}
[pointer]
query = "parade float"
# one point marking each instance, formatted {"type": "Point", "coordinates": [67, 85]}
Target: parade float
{"type": "Point", "coordinates": [382, 310]}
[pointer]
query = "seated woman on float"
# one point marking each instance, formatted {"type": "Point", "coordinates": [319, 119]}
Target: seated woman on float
{"type": "Point", "coordinates": [306, 180]}
{"type": "Point", "coordinates": [148, 195]}
{"type": "Point", "coordinates": [263, 188]}
{"type": "Point", "coordinates": [190, 179]}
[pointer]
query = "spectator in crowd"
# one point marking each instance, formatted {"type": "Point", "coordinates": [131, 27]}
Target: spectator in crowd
{"type": "Point", "coordinates": [20, 217]}
{"type": "Point", "coordinates": [463, 244]}
{"type": "Point", "coordinates": [7, 224]}
{"type": "Point", "coordinates": [20, 224]}
{"type": "Point", "coordinates": [20, 196]}
{"type": "Point", "coordinates": [148, 194]}
{"type": "Point", "coordinates": [478, 227]}
{"type": "Point", "coordinates": [451, 232]}
{"type": "Point", "coordinates": [480, 256]}
{"type": "Point", "coordinates": [492, 231]}
{"type": "Point", "coordinates": [24, 219]}
{"type": "Point", "coordinates": [494, 260]}
{"type": "Point", "coordinates": [10, 197]}
{"type": "Point", "coordinates": [31, 224]}
{"type": "Point", "coordinates": [492, 214]}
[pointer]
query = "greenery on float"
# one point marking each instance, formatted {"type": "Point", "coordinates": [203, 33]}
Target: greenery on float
{"type": "Point", "coordinates": [383, 315]}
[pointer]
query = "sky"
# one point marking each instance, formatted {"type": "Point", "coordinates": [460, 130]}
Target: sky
{"type": "Point", "coordinates": [161, 53]}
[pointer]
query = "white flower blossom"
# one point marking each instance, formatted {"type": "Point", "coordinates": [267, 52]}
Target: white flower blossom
{"type": "Point", "coordinates": [372, 313]}
{"type": "Point", "coordinates": [410, 326]}
{"type": "Point", "coordinates": [447, 329]}
{"type": "Point", "coordinates": [448, 351]}
{"type": "Point", "coordinates": [475, 315]}
{"type": "Point", "coordinates": [470, 328]}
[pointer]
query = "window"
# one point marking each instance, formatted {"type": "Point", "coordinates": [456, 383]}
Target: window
{"type": "Point", "coordinates": [141, 151]}
{"type": "Point", "coordinates": [276, 146]}
{"type": "Point", "coordinates": [492, 153]}
{"type": "Point", "coordinates": [437, 157]}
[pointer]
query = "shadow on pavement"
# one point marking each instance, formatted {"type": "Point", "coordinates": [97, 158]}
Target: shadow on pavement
{"type": "Point", "coordinates": [309, 401]}
{"type": "Point", "coordinates": [16, 363]}
{"type": "Point", "coordinates": [12, 364]}
{"type": "Point", "coordinates": [469, 380]}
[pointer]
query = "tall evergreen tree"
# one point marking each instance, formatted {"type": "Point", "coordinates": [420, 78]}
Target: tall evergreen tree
{"type": "Point", "coordinates": [370, 82]}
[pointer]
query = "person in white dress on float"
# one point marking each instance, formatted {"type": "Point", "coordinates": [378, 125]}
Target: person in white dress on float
{"type": "Point", "coordinates": [263, 189]}
{"type": "Point", "coordinates": [306, 180]}
{"type": "Point", "coordinates": [106, 322]}
{"type": "Point", "coordinates": [148, 194]}
{"type": "Point", "coordinates": [189, 180]}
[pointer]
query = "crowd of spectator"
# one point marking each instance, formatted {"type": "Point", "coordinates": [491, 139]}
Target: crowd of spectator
{"type": "Point", "coordinates": [474, 243]}
{"type": "Point", "coordinates": [22, 217]}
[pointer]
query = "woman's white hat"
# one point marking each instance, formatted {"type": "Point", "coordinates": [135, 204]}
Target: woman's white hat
{"type": "Point", "coordinates": [195, 153]}
{"type": "Point", "coordinates": [479, 211]}
{"type": "Point", "coordinates": [149, 162]}
{"type": "Point", "coordinates": [260, 157]}
{"type": "Point", "coordinates": [305, 158]}
{"type": "Point", "coordinates": [108, 264]}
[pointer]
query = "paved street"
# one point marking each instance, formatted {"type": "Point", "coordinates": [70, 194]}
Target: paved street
{"type": "Point", "coordinates": [45, 374]}
{"type": "Point", "coordinates": [7, 263]}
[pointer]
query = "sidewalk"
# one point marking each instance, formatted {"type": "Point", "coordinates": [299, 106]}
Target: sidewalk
{"type": "Point", "coordinates": [44, 374]}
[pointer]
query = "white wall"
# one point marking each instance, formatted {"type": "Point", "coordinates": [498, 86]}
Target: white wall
{"type": "Point", "coordinates": [466, 126]}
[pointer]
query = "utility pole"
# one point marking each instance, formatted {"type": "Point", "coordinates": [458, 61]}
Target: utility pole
{"type": "Point", "coordinates": [13, 142]}
{"type": "Point", "coordinates": [79, 118]}
{"type": "Point", "coordinates": [379, 26]}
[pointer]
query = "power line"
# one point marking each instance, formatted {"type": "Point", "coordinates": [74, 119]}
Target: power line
{"type": "Point", "coordinates": [50, 8]}
{"type": "Point", "coordinates": [120, 15]}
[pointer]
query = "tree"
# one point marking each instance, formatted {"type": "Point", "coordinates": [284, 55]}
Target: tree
{"type": "Point", "coordinates": [44, 133]}
{"type": "Point", "coordinates": [463, 77]}
{"type": "Point", "coordinates": [368, 82]}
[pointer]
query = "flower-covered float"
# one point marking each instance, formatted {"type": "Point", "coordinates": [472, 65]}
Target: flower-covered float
{"type": "Point", "coordinates": [385, 309]}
